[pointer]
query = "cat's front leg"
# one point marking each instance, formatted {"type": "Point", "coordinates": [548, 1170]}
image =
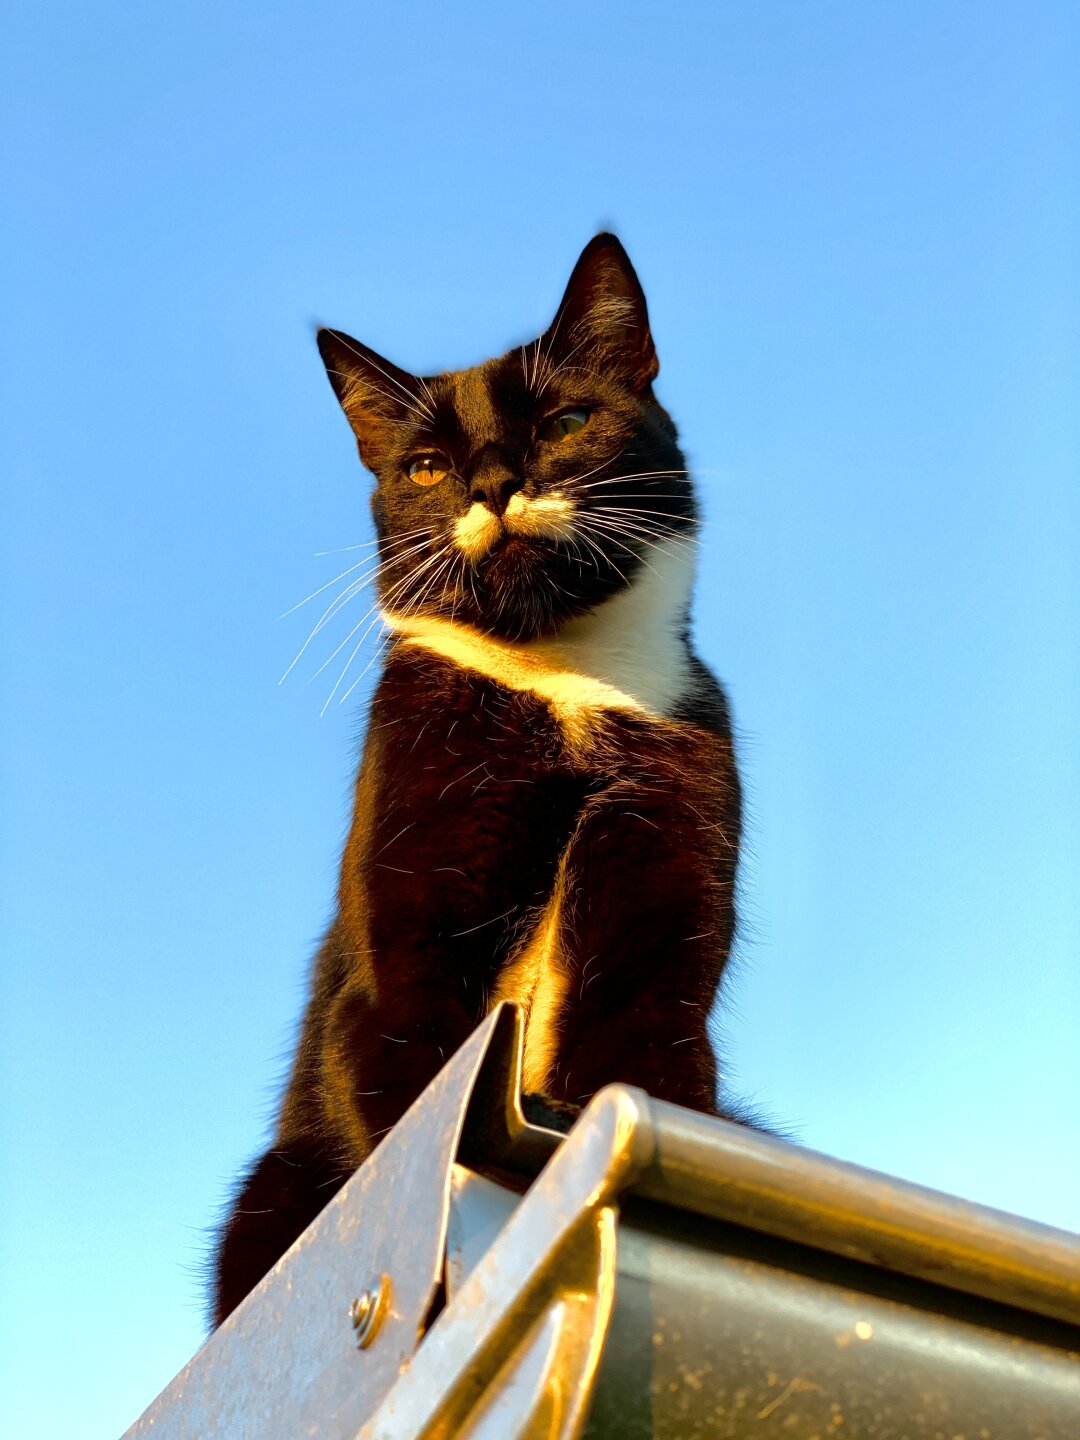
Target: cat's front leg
{"type": "Point", "coordinates": [646, 928]}
{"type": "Point", "coordinates": [385, 1043]}
{"type": "Point", "coordinates": [447, 863]}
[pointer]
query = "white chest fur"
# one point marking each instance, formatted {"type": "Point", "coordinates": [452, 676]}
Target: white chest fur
{"type": "Point", "coordinates": [627, 654]}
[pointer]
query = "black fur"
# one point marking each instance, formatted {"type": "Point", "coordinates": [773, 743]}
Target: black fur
{"type": "Point", "coordinates": [475, 805]}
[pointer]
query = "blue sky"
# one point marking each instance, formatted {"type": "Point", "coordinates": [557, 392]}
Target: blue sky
{"type": "Point", "coordinates": [858, 226]}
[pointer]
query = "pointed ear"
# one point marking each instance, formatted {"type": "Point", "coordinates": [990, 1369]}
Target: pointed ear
{"type": "Point", "coordinates": [375, 394]}
{"type": "Point", "coordinates": [603, 312]}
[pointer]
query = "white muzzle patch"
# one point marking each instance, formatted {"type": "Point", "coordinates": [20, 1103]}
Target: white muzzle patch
{"type": "Point", "coordinates": [479, 529]}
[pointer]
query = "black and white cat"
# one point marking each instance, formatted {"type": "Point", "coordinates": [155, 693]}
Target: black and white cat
{"type": "Point", "coordinates": [547, 807]}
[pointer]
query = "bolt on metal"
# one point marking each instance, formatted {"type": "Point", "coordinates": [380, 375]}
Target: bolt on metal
{"type": "Point", "coordinates": [368, 1311]}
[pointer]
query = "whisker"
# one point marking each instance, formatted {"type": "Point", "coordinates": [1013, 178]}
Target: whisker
{"type": "Point", "coordinates": [577, 479]}
{"type": "Point", "coordinates": [341, 549]}
{"type": "Point", "coordinates": [602, 554]}
{"type": "Point", "coordinates": [439, 573]}
{"type": "Point", "coordinates": [414, 575]}
{"type": "Point", "coordinates": [566, 359]}
{"type": "Point", "coordinates": [345, 669]}
{"type": "Point", "coordinates": [341, 600]}
{"type": "Point", "coordinates": [360, 583]}
{"type": "Point", "coordinates": [638, 474]}
{"type": "Point", "coordinates": [379, 540]}
{"type": "Point", "coordinates": [605, 508]}
{"type": "Point", "coordinates": [645, 529]}
{"type": "Point", "coordinates": [377, 619]}
{"type": "Point", "coordinates": [366, 561]}
{"type": "Point", "coordinates": [373, 609]}
{"type": "Point", "coordinates": [647, 536]}
{"type": "Point", "coordinates": [377, 654]}
{"type": "Point", "coordinates": [394, 541]}
{"type": "Point", "coordinates": [431, 401]}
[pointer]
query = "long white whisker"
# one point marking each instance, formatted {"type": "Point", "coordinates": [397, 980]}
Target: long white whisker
{"type": "Point", "coordinates": [644, 528]}
{"type": "Point", "coordinates": [439, 573]}
{"type": "Point", "coordinates": [629, 523]}
{"type": "Point", "coordinates": [341, 600]}
{"type": "Point", "coordinates": [348, 662]}
{"type": "Point", "coordinates": [372, 614]}
{"type": "Point", "coordinates": [637, 475]}
{"type": "Point", "coordinates": [394, 541]}
{"type": "Point", "coordinates": [577, 479]}
{"type": "Point", "coordinates": [366, 561]}
{"type": "Point", "coordinates": [580, 530]}
{"type": "Point", "coordinates": [645, 539]}
{"type": "Point", "coordinates": [342, 549]}
{"type": "Point", "coordinates": [431, 401]}
{"type": "Point", "coordinates": [376, 654]}
{"type": "Point", "coordinates": [367, 544]}
{"type": "Point", "coordinates": [392, 594]}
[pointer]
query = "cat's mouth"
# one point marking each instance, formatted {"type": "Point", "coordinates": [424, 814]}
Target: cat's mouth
{"type": "Point", "coordinates": [480, 532]}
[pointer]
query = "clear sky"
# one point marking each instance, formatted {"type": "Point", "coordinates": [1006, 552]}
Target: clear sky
{"type": "Point", "coordinates": [858, 227]}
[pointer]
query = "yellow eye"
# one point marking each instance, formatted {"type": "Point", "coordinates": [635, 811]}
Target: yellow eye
{"type": "Point", "coordinates": [427, 469]}
{"type": "Point", "coordinates": [567, 422]}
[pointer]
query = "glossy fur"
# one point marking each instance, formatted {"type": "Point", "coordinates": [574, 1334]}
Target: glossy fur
{"type": "Point", "coordinates": [547, 807]}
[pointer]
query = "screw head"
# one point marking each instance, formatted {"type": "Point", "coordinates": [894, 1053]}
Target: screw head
{"type": "Point", "coordinates": [368, 1310]}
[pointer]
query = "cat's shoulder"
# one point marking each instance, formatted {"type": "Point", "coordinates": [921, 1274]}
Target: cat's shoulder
{"type": "Point", "coordinates": [704, 702]}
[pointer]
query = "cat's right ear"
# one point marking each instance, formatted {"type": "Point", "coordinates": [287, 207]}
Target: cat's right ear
{"type": "Point", "coordinates": [376, 396]}
{"type": "Point", "coordinates": [603, 312]}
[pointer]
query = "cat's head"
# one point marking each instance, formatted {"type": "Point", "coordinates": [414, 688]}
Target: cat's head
{"type": "Point", "coordinates": [527, 490]}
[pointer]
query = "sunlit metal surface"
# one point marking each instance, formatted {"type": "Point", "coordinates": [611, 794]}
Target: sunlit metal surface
{"type": "Point", "coordinates": [716, 1337]}
{"type": "Point", "coordinates": [655, 1273]}
{"type": "Point", "coordinates": [286, 1362]}
{"type": "Point", "coordinates": [732, 1173]}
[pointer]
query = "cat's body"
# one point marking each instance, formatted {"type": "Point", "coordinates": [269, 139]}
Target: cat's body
{"type": "Point", "coordinates": [547, 808]}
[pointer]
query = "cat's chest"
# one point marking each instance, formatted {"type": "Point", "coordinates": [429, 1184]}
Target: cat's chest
{"type": "Point", "coordinates": [628, 657]}
{"type": "Point", "coordinates": [503, 698]}
{"type": "Point", "coordinates": [439, 714]}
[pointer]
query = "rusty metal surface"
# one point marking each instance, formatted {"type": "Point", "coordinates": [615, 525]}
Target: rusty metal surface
{"type": "Point", "coordinates": [286, 1361]}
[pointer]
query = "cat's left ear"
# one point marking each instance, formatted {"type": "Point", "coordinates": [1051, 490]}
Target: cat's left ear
{"type": "Point", "coordinates": [603, 312]}
{"type": "Point", "coordinates": [375, 394]}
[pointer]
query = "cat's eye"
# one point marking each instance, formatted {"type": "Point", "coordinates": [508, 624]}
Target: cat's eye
{"type": "Point", "coordinates": [565, 423]}
{"type": "Point", "coordinates": [426, 469]}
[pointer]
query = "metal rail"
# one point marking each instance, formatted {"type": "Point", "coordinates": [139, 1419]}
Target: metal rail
{"type": "Point", "coordinates": [654, 1273]}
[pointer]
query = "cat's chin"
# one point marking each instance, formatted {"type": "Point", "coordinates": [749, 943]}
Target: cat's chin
{"type": "Point", "coordinates": [529, 587]}
{"type": "Point", "coordinates": [512, 561]}
{"type": "Point", "coordinates": [514, 552]}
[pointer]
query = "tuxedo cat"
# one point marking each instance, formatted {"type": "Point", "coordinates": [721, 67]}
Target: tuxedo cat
{"type": "Point", "coordinates": [547, 807]}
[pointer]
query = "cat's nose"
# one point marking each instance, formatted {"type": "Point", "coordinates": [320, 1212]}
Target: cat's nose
{"type": "Point", "coordinates": [493, 485]}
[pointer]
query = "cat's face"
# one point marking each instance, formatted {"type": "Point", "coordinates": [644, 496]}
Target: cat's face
{"type": "Point", "coordinates": [529, 489]}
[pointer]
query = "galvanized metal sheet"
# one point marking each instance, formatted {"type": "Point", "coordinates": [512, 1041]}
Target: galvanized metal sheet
{"type": "Point", "coordinates": [708, 1340]}
{"type": "Point", "coordinates": [715, 1168]}
{"type": "Point", "coordinates": [722, 1329]}
{"type": "Point", "coordinates": [666, 1275]}
{"type": "Point", "coordinates": [522, 1336]}
{"type": "Point", "coordinates": [286, 1361]}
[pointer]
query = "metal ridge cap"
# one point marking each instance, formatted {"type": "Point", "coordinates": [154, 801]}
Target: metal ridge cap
{"type": "Point", "coordinates": [562, 1231]}
{"type": "Point", "coordinates": [727, 1171]}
